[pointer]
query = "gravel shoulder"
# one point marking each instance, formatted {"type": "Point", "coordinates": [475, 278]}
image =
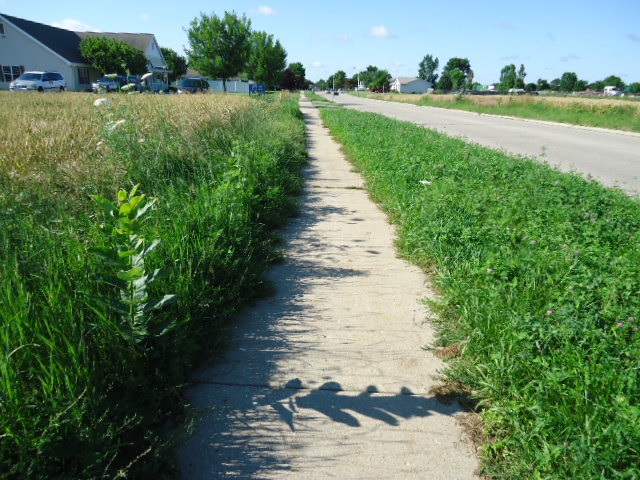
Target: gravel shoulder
{"type": "Point", "coordinates": [328, 378]}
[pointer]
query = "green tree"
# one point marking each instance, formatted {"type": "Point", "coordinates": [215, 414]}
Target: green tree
{"type": "Point", "coordinates": [634, 87]}
{"type": "Point", "coordinates": [219, 47]}
{"type": "Point", "coordinates": [294, 77]}
{"type": "Point", "coordinates": [521, 76]}
{"type": "Point", "coordinates": [555, 84]}
{"type": "Point", "coordinates": [380, 80]}
{"type": "Point", "coordinates": [580, 86]}
{"type": "Point", "coordinates": [456, 74]}
{"type": "Point", "coordinates": [177, 64]}
{"type": "Point", "coordinates": [543, 84]}
{"type": "Point", "coordinates": [508, 77]}
{"type": "Point", "coordinates": [614, 81]}
{"type": "Point", "coordinates": [568, 82]}
{"type": "Point", "coordinates": [427, 69]}
{"type": "Point", "coordinates": [110, 55]}
{"type": "Point", "coordinates": [338, 80]}
{"type": "Point", "coordinates": [367, 76]}
{"type": "Point", "coordinates": [267, 59]}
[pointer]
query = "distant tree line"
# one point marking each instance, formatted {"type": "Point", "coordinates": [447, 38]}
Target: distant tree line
{"type": "Point", "coordinates": [457, 75]}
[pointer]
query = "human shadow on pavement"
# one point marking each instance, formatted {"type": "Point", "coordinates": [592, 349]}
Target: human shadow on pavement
{"type": "Point", "coordinates": [331, 401]}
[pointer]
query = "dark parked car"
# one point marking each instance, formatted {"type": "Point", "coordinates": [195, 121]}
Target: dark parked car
{"type": "Point", "coordinates": [193, 85]}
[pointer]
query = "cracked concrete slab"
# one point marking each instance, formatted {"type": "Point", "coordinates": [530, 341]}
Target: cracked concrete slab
{"type": "Point", "coordinates": [328, 378]}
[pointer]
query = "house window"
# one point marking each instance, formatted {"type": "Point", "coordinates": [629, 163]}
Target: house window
{"type": "Point", "coordinates": [83, 76]}
{"type": "Point", "coordinates": [9, 73]}
{"type": "Point", "coordinates": [2, 34]}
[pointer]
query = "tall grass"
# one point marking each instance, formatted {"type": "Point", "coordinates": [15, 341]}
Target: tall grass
{"type": "Point", "coordinates": [617, 114]}
{"type": "Point", "coordinates": [77, 398]}
{"type": "Point", "coordinates": [538, 279]}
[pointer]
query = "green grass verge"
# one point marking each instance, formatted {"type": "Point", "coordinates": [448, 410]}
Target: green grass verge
{"type": "Point", "coordinates": [78, 399]}
{"type": "Point", "coordinates": [538, 278]}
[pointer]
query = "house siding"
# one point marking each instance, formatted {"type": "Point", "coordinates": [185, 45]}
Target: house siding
{"type": "Point", "coordinates": [19, 49]}
{"type": "Point", "coordinates": [407, 85]}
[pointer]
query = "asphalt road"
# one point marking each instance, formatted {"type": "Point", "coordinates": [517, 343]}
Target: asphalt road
{"type": "Point", "coordinates": [608, 156]}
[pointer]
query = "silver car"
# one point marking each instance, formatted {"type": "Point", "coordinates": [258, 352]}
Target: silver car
{"type": "Point", "coordinates": [38, 82]}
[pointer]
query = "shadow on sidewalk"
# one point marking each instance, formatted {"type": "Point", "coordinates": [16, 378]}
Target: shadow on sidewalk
{"type": "Point", "coordinates": [245, 413]}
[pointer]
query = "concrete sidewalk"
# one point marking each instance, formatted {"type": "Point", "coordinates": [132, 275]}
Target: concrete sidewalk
{"type": "Point", "coordinates": [327, 379]}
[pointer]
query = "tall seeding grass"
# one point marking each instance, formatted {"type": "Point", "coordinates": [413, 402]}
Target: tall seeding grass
{"type": "Point", "coordinates": [538, 279]}
{"type": "Point", "coordinates": [108, 212]}
{"type": "Point", "coordinates": [617, 114]}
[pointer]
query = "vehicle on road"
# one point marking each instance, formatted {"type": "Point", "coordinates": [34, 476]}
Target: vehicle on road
{"type": "Point", "coordinates": [39, 82]}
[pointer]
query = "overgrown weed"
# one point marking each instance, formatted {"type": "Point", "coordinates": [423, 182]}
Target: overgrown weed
{"type": "Point", "coordinates": [77, 400]}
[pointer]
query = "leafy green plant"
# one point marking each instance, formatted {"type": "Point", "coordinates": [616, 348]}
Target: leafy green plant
{"type": "Point", "coordinates": [126, 252]}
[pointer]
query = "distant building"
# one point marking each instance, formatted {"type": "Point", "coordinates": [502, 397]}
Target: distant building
{"type": "Point", "coordinates": [27, 45]}
{"type": "Point", "coordinates": [410, 85]}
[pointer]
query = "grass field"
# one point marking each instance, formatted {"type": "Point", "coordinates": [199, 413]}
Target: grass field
{"type": "Point", "coordinates": [614, 113]}
{"type": "Point", "coordinates": [538, 279]}
{"type": "Point", "coordinates": [101, 323]}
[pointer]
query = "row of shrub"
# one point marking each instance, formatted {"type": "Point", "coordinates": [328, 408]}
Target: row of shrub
{"type": "Point", "coordinates": [538, 278]}
{"type": "Point", "coordinates": [88, 372]}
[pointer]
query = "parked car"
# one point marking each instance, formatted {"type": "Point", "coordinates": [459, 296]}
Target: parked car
{"type": "Point", "coordinates": [193, 85]}
{"type": "Point", "coordinates": [114, 83]}
{"type": "Point", "coordinates": [39, 82]}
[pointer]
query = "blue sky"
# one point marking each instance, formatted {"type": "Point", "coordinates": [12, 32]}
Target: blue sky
{"type": "Point", "coordinates": [594, 39]}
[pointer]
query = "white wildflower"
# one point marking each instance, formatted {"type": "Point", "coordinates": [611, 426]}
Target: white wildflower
{"type": "Point", "coordinates": [425, 182]}
{"type": "Point", "coordinates": [100, 101]}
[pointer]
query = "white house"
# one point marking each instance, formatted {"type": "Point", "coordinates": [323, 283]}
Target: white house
{"type": "Point", "coordinates": [27, 45]}
{"type": "Point", "coordinates": [410, 85]}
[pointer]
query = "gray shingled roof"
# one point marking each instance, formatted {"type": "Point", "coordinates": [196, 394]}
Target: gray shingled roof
{"type": "Point", "coordinates": [64, 42]}
{"type": "Point", "coordinates": [67, 43]}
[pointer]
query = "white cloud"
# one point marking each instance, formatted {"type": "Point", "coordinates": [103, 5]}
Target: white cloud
{"type": "Point", "coordinates": [345, 38]}
{"type": "Point", "coordinates": [317, 64]}
{"type": "Point", "coordinates": [73, 25]}
{"type": "Point", "coordinates": [380, 31]}
{"type": "Point", "coordinates": [265, 10]}
{"type": "Point", "coordinates": [145, 17]}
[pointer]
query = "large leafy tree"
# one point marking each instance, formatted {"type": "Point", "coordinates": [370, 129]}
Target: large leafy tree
{"type": "Point", "coordinates": [177, 64]}
{"type": "Point", "coordinates": [373, 78]}
{"type": "Point", "coordinates": [568, 81]}
{"type": "Point", "coordinates": [267, 59]}
{"type": "Point", "coordinates": [294, 77]}
{"type": "Point", "coordinates": [427, 69]}
{"type": "Point", "coordinates": [110, 55]}
{"type": "Point", "coordinates": [508, 77]}
{"type": "Point", "coordinates": [219, 47]}
{"type": "Point", "coordinates": [380, 80]}
{"type": "Point", "coordinates": [338, 80]}
{"type": "Point", "coordinates": [456, 74]}
{"type": "Point", "coordinates": [615, 81]}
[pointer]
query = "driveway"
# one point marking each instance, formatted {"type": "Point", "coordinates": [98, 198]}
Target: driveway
{"type": "Point", "coordinates": [609, 156]}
